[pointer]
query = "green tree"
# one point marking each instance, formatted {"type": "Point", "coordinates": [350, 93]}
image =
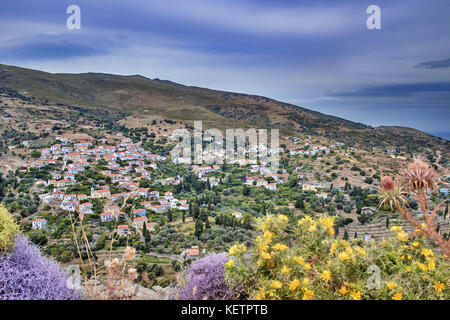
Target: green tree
{"type": "Point", "coordinates": [35, 154]}
{"type": "Point", "coordinates": [345, 235]}
{"type": "Point", "coordinates": [198, 230]}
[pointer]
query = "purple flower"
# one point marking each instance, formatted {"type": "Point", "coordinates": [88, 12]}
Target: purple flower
{"type": "Point", "coordinates": [27, 275]}
{"type": "Point", "coordinates": [205, 280]}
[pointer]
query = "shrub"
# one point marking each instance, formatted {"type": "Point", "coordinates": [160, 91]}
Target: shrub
{"type": "Point", "coordinates": [306, 261]}
{"type": "Point", "coordinates": [205, 280]}
{"type": "Point", "coordinates": [27, 275]}
{"type": "Point", "coordinates": [8, 229]}
{"type": "Point", "coordinates": [368, 180]}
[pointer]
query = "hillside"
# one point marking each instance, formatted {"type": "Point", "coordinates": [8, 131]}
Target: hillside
{"type": "Point", "coordinates": [137, 95]}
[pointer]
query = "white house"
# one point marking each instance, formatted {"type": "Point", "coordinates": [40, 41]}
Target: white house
{"type": "Point", "coordinates": [39, 224]}
{"type": "Point", "coordinates": [139, 222]}
{"type": "Point", "coordinates": [107, 216]}
{"type": "Point", "coordinates": [69, 206]}
{"type": "Point", "coordinates": [86, 208]}
{"type": "Point", "coordinates": [122, 229]}
{"type": "Point", "coordinates": [237, 215]}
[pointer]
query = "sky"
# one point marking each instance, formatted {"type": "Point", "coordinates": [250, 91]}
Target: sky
{"type": "Point", "coordinates": [318, 54]}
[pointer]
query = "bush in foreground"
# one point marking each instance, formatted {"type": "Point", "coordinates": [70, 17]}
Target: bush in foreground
{"type": "Point", "coordinates": [27, 275]}
{"type": "Point", "coordinates": [8, 229]}
{"type": "Point", "coordinates": [205, 280]}
{"type": "Point", "coordinates": [305, 261]}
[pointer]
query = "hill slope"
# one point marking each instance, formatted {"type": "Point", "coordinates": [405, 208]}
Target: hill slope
{"type": "Point", "coordinates": [136, 94]}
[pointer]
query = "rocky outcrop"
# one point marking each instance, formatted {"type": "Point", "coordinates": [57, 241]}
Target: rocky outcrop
{"type": "Point", "coordinates": [127, 290]}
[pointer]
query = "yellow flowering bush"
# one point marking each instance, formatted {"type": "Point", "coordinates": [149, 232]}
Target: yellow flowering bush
{"type": "Point", "coordinates": [306, 261]}
{"type": "Point", "coordinates": [8, 229]}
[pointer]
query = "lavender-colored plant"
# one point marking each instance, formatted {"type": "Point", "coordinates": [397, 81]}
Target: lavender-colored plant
{"type": "Point", "coordinates": [27, 275]}
{"type": "Point", "coordinates": [205, 280]}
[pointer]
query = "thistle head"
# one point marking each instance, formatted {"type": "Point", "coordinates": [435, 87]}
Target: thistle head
{"type": "Point", "coordinates": [391, 193]}
{"type": "Point", "coordinates": [420, 176]}
{"type": "Point", "coordinates": [387, 183]}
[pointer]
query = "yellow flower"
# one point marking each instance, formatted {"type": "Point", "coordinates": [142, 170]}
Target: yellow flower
{"type": "Point", "coordinates": [438, 286]}
{"type": "Point", "coordinates": [360, 250]}
{"type": "Point", "coordinates": [397, 296]}
{"type": "Point", "coordinates": [408, 268]}
{"type": "Point", "coordinates": [343, 256]}
{"type": "Point", "coordinates": [427, 252]}
{"type": "Point", "coordinates": [391, 285]}
{"type": "Point", "coordinates": [308, 294]}
{"type": "Point", "coordinates": [261, 296]}
{"type": "Point", "coordinates": [276, 284]}
{"type": "Point", "coordinates": [325, 275]}
{"type": "Point", "coordinates": [268, 236]}
{"type": "Point", "coordinates": [307, 266]}
{"type": "Point", "coordinates": [265, 255]}
{"type": "Point", "coordinates": [422, 266]}
{"type": "Point", "coordinates": [333, 248]}
{"type": "Point", "coordinates": [327, 222]}
{"type": "Point", "coordinates": [286, 269]}
{"type": "Point", "coordinates": [237, 249]}
{"type": "Point", "coordinates": [312, 227]}
{"type": "Point", "coordinates": [262, 246]}
{"type": "Point", "coordinates": [330, 231]}
{"type": "Point", "coordinates": [415, 244]}
{"type": "Point", "coordinates": [305, 281]}
{"type": "Point", "coordinates": [294, 284]}
{"type": "Point", "coordinates": [299, 260]}
{"type": "Point", "coordinates": [283, 218]}
{"type": "Point", "coordinates": [229, 264]}
{"type": "Point", "coordinates": [349, 250]}
{"type": "Point", "coordinates": [343, 290]}
{"type": "Point", "coordinates": [402, 236]}
{"type": "Point", "coordinates": [396, 228]}
{"type": "Point", "coordinates": [355, 295]}
{"type": "Point", "coordinates": [280, 247]}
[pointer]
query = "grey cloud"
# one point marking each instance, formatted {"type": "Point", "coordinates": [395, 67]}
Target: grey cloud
{"type": "Point", "coordinates": [397, 90]}
{"type": "Point", "coordinates": [435, 64]}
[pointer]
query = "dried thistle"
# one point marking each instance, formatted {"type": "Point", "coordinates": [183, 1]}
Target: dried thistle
{"type": "Point", "coordinates": [132, 273]}
{"type": "Point", "coordinates": [130, 253]}
{"type": "Point", "coordinates": [419, 176]}
{"type": "Point", "coordinates": [391, 193]}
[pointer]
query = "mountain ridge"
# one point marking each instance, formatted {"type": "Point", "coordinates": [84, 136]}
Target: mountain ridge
{"type": "Point", "coordinates": [136, 94]}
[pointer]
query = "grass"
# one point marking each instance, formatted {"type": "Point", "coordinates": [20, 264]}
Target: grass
{"type": "Point", "coordinates": [149, 259]}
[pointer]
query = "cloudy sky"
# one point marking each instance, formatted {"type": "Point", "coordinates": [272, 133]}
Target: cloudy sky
{"type": "Point", "coordinates": [317, 54]}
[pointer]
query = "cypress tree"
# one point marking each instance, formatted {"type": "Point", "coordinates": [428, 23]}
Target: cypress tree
{"type": "Point", "coordinates": [198, 228]}
{"type": "Point", "coordinates": [345, 235]}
